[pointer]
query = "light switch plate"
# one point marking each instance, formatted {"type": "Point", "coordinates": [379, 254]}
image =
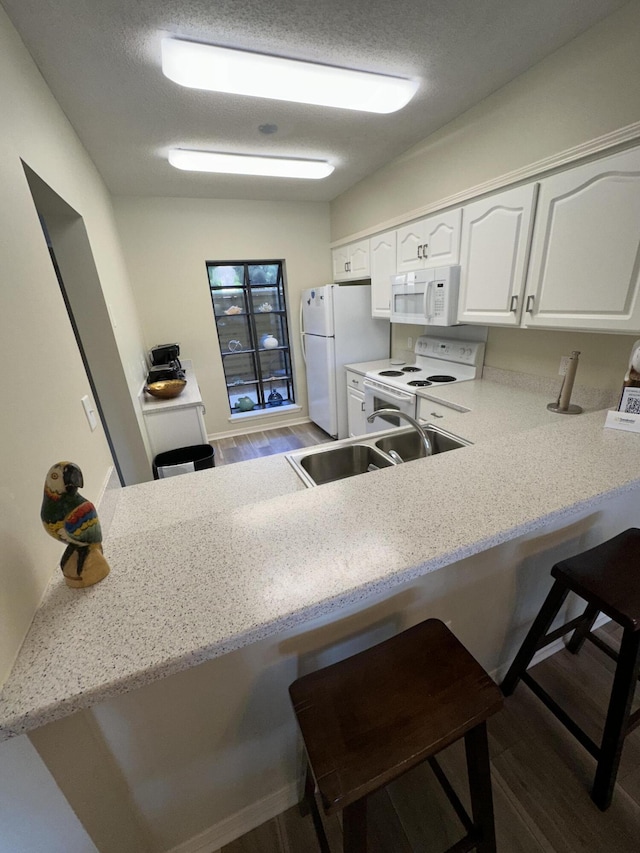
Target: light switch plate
{"type": "Point", "coordinates": [90, 412]}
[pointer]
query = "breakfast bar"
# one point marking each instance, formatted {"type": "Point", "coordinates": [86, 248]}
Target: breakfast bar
{"type": "Point", "coordinates": [246, 572]}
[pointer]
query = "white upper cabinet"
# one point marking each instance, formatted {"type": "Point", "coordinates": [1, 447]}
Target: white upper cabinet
{"type": "Point", "coordinates": [585, 257]}
{"type": "Point", "coordinates": [430, 242]}
{"type": "Point", "coordinates": [383, 266]}
{"type": "Point", "coordinates": [340, 263]}
{"type": "Point", "coordinates": [351, 261]}
{"type": "Point", "coordinates": [496, 233]}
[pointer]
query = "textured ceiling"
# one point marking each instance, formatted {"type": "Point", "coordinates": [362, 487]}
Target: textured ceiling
{"type": "Point", "coordinates": [101, 59]}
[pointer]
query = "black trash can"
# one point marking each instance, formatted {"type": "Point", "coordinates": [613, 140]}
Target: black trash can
{"type": "Point", "coordinates": [183, 460]}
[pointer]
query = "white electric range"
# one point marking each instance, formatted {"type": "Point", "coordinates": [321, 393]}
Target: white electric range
{"type": "Point", "coordinates": [392, 383]}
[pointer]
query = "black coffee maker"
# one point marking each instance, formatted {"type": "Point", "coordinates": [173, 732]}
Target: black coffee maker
{"type": "Point", "coordinates": [165, 363]}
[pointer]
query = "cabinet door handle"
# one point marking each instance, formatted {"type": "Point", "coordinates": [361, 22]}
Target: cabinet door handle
{"type": "Point", "coordinates": [425, 251]}
{"type": "Point", "coordinates": [530, 300]}
{"type": "Point", "coordinates": [514, 304]}
{"type": "Point", "coordinates": [436, 415]}
{"type": "Point", "coordinates": [362, 407]}
{"type": "Point", "coordinates": [419, 253]}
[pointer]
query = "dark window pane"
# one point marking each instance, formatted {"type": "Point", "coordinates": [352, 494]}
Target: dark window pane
{"type": "Point", "coordinates": [249, 307]}
{"type": "Point", "coordinates": [263, 274]}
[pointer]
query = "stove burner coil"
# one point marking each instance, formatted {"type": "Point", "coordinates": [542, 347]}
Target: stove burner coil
{"type": "Point", "coordinates": [441, 378]}
{"type": "Point", "coordinates": [411, 369]}
{"type": "Point", "coordinates": [390, 373]}
{"type": "Point", "coordinates": [419, 383]}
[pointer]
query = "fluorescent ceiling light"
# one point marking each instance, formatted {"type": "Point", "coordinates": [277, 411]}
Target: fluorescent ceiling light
{"type": "Point", "coordinates": [237, 72]}
{"type": "Point", "coordinates": [242, 164]}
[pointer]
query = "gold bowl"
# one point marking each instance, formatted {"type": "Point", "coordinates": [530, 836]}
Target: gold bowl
{"type": "Point", "coordinates": [165, 389]}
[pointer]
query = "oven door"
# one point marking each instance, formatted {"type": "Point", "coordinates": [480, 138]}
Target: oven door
{"type": "Point", "coordinates": [380, 396]}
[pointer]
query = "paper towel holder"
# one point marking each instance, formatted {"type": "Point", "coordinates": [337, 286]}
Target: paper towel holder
{"type": "Point", "coordinates": [563, 405]}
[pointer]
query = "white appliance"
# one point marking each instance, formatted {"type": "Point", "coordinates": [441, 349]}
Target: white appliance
{"type": "Point", "coordinates": [426, 297]}
{"type": "Point", "coordinates": [337, 328]}
{"type": "Point", "coordinates": [392, 384]}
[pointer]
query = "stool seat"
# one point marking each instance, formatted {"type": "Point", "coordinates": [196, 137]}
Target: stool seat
{"type": "Point", "coordinates": [604, 575]}
{"type": "Point", "coordinates": [372, 717]}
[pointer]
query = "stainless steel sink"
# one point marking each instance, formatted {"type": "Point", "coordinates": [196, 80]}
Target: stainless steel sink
{"type": "Point", "coordinates": [364, 454]}
{"type": "Point", "coordinates": [408, 446]}
{"type": "Point", "coordinates": [337, 463]}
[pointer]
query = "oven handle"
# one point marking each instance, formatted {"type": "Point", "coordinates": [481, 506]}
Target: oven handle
{"type": "Point", "coordinates": [387, 391]}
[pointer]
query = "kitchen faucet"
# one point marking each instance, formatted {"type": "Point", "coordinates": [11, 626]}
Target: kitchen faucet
{"type": "Point", "coordinates": [414, 423]}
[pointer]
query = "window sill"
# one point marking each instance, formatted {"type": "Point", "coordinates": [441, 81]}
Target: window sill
{"type": "Point", "coordinates": [266, 413]}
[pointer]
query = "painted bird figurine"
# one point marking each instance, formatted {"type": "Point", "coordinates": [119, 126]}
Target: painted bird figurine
{"type": "Point", "coordinates": [69, 517]}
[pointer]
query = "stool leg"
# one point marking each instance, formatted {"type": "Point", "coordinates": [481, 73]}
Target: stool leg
{"type": "Point", "coordinates": [580, 634]}
{"type": "Point", "coordinates": [354, 827]}
{"type": "Point", "coordinates": [542, 623]}
{"type": "Point", "coordinates": [309, 804]}
{"type": "Point", "coordinates": [615, 728]}
{"type": "Point", "coordinates": [479, 769]}
{"type": "Point", "coordinates": [304, 806]}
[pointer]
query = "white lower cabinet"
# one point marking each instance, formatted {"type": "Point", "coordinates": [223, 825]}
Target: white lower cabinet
{"type": "Point", "coordinates": [496, 234]}
{"type": "Point", "coordinates": [443, 416]}
{"type": "Point", "coordinates": [585, 257]}
{"type": "Point", "coordinates": [383, 267]}
{"type": "Point", "coordinates": [178, 422]}
{"type": "Point", "coordinates": [173, 428]}
{"type": "Point", "coordinates": [356, 419]}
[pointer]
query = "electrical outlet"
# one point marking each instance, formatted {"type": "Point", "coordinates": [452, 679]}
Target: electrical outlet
{"type": "Point", "coordinates": [409, 342]}
{"type": "Point", "coordinates": [564, 363]}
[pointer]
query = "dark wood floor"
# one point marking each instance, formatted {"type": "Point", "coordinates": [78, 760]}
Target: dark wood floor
{"type": "Point", "coordinates": [541, 778]}
{"type": "Point", "coordinates": [238, 448]}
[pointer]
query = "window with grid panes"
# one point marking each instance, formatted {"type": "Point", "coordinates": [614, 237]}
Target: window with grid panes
{"type": "Point", "coordinates": [250, 310]}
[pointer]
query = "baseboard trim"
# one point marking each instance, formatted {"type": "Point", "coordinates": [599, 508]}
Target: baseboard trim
{"type": "Point", "coordinates": [246, 428]}
{"type": "Point", "coordinates": [241, 822]}
{"type": "Point", "coordinates": [499, 673]}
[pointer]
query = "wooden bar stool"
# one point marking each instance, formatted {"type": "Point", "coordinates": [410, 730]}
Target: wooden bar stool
{"type": "Point", "coordinates": [370, 718]}
{"type": "Point", "coordinates": [607, 577]}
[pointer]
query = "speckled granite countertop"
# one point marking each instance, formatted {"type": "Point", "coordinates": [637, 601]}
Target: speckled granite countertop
{"type": "Point", "coordinates": [212, 561]}
{"type": "Point", "coordinates": [493, 408]}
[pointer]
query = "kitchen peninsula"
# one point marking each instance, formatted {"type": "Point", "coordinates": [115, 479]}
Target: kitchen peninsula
{"type": "Point", "coordinates": [214, 564]}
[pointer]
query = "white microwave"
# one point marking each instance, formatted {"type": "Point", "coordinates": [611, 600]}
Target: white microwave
{"type": "Point", "coordinates": [426, 297]}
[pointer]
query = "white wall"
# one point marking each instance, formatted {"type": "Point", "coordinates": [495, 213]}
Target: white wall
{"type": "Point", "coordinates": [42, 419]}
{"type": "Point", "coordinates": [586, 89]}
{"type": "Point", "coordinates": [42, 382]}
{"type": "Point", "coordinates": [34, 815]}
{"type": "Point", "coordinates": [166, 242]}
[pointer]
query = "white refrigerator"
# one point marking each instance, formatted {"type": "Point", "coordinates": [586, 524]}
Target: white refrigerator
{"type": "Point", "coordinates": [337, 329]}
